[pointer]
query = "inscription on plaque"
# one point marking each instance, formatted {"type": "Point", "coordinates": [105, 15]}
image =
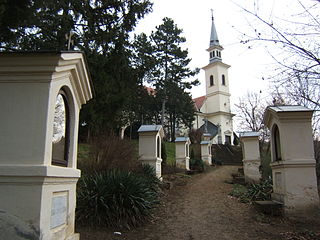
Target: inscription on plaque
{"type": "Point", "coordinates": [59, 209]}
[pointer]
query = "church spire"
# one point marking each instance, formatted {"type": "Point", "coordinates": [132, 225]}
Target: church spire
{"type": "Point", "coordinates": [215, 48]}
{"type": "Point", "coordinates": [214, 41]}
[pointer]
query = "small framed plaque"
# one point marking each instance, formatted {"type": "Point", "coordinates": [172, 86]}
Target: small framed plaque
{"type": "Point", "coordinates": [59, 209]}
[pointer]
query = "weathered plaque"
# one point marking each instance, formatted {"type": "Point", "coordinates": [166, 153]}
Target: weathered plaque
{"type": "Point", "coordinates": [59, 210]}
{"type": "Point", "coordinates": [278, 182]}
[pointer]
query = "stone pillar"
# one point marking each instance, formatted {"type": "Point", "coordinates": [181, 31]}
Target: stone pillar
{"type": "Point", "coordinates": [40, 96]}
{"type": "Point", "coordinates": [182, 152]}
{"type": "Point", "coordinates": [292, 156]}
{"type": "Point", "coordinates": [251, 156]}
{"type": "Point", "coordinates": [150, 137]}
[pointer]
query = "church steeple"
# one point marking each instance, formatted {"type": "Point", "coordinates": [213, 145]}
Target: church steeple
{"type": "Point", "coordinates": [214, 40]}
{"type": "Point", "coordinates": [214, 47]}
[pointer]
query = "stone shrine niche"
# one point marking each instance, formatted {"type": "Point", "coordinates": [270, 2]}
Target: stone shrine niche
{"type": "Point", "coordinates": [251, 156]}
{"type": "Point", "coordinates": [150, 146]}
{"type": "Point", "coordinates": [43, 93]}
{"type": "Point", "coordinates": [293, 164]}
{"type": "Point", "coordinates": [61, 131]}
{"type": "Point", "coordinates": [182, 152]}
{"type": "Point", "coordinates": [158, 147]}
{"type": "Point", "coordinates": [276, 143]}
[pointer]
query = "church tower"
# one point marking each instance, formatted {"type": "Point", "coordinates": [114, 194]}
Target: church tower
{"type": "Point", "coordinates": [215, 107]}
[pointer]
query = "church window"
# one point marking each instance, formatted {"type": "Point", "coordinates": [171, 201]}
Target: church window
{"type": "Point", "coordinates": [217, 53]}
{"type": "Point", "coordinates": [211, 81]}
{"type": "Point", "coordinates": [223, 80]}
{"type": "Point", "coordinates": [213, 54]}
{"type": "Point", "coordinates": [210, 54]}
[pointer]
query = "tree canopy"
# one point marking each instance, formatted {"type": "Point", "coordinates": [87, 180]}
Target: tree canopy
{"type": "Point", "coordinates": [164, 64]}
{"type": "Point", "coordinates": [292, 40]}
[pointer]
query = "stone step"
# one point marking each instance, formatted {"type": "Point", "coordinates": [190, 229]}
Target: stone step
{"type": "Point", "coordinates": [270, 207]}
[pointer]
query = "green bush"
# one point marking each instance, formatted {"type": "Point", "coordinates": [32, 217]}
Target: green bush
{"type": "Point", "coordinates": [253, 192]}
{"type": "Point", "coordinates": [239, 191]}
{"type": "Point", "coordinates": [116, 198]}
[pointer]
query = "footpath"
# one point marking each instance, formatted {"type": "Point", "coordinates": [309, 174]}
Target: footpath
{"type": "Point", "coordinates": [201, 209]}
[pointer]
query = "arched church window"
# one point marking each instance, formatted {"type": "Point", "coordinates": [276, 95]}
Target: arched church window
{"type": "Point", "coordinates": [210, 54]}
{"type": "Point", "coordinates": [276, 143]}
{"type": "Point", "coordinates": [60, 138]}
{"type": "Point", "coordinates": [213, 54]}
{"type": "Point", "coordinates": [211, 80]}
{"type": "Point", "coordinates": [223, 80]}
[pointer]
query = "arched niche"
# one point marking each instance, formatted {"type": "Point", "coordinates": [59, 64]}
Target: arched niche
{"type": "Point", "coordinates": [187, 149]}
{"type": "Point", "coordinates": [275, 134]}
{"type": "Point", "coordinates": [158, 147]}
{"type": "Point", "coordinates": [62, 128]}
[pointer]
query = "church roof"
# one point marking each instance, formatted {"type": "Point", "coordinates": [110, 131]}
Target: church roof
{"type": "Point", "coordinates": [198, 102]}
{"type": "Point", "coordinates": [151, 91]}
{"type": "Point", "coordinates": [214, 40]}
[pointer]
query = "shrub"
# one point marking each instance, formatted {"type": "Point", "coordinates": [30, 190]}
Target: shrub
{"type": "Point", "coordinates": [253, 192]}
{"type": "Point", "coordinates": [116, 198]}
{"type": "Point", "coordinates": [109, 152]}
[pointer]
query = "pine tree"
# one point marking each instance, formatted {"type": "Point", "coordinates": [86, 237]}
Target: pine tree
{"type": "Point", "coordinates": [171, 69]}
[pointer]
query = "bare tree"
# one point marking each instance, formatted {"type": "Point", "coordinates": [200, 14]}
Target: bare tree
{"type": "Point", "coordinates": [250, 109]}
{"type": "Point", "coordinates": [293, 42]}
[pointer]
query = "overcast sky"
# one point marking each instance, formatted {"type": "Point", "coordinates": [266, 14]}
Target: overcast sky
{"type": "Point", "coordinates": [248, 66]}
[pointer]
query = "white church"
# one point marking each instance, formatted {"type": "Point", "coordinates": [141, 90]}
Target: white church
{"type": "Point", "coordinates": [213, 111]}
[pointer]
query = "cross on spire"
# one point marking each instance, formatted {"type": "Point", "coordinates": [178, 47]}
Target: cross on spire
{"type": "Point", "coordinates": [214, 41]}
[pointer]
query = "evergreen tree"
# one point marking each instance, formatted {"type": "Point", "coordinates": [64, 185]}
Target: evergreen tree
{"type": "Point", "coordinates": [171, 70]}
{"type": "Point", "coordinates": [100, 29]}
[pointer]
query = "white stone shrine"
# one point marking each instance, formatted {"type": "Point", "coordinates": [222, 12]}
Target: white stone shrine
{"type": "Point", "coordinates": [292, 155]}
{"type": "Point", "coordinates": [206, 144]}
{"type": "Point", "coordinates": [251, 156]}
{"type": "Point", "coordinates": [150, 137]}
{"type": "Point", "coordinates": [182, 152]}
{"type": "Point", "coordinates": [40, 97]}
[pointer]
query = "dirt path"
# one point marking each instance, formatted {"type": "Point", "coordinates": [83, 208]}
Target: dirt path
{"type": "Point", "coordinates": [202, 209]}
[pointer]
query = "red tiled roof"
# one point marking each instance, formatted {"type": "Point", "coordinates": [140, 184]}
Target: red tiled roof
{"type": "Point", "coordinates": [198, 102]}
{"type": "Point", "coordinates": [151, 91]}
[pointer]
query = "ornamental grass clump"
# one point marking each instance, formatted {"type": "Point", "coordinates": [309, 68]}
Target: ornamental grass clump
{"type": "Point", "coordinates": [116, 198]}
{"type": "Point", "coordinates": [253, 192]}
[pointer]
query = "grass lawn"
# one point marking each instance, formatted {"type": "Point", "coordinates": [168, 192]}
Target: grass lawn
{"type": "Point", "coordinates": [171, 153]}
{"type": "Point", "coordinates": [84, 152]}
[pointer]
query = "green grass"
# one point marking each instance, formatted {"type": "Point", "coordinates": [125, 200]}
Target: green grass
{"type": "Point", "coordinates": [84, 152]}
{"type": "Point", "coordinates": [171, 153]}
